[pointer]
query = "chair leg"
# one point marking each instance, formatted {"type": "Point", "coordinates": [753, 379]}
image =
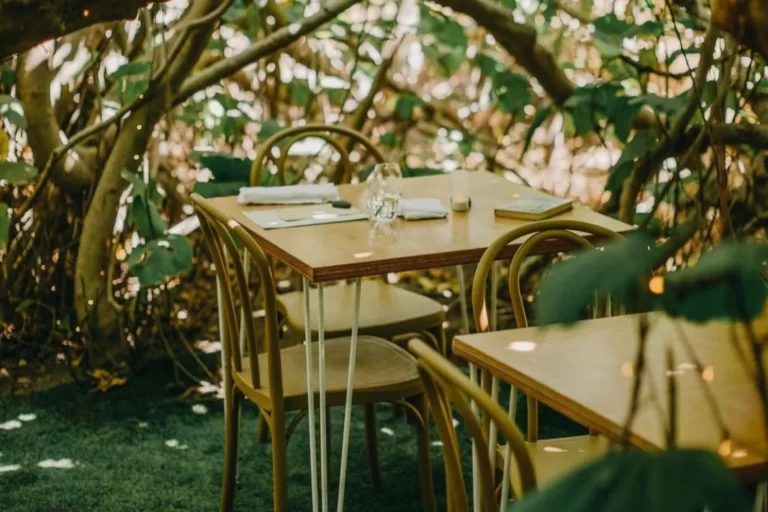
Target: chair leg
{"type": "Point", "coordinates": [279, 466]}
{"type": "Point", "coordinates": [261, 434]}
{"type": "Point", "coordinates": [425, 456]}
{"type": "Point", "coordinates": [232, 435]}
{"type": "Point", "coordinates": [372, 443]}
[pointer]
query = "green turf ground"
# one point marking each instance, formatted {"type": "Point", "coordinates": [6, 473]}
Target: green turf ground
{"type": "Point", "coordinates": [118, 442]}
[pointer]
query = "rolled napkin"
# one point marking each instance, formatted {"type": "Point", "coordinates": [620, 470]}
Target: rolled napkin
{"type": "Point", "coordinates": [422, 208]}
{"type": "Point", "coordinates": [289, 194]}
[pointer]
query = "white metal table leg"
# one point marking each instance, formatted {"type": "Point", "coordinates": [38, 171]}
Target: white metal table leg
{"type": "Point", "coordinates": [321, 378]}
{"type": "Point", "coordinates": [310, 395]}
{"type": "Point", "coordinates": [350, 387]}
{"type": "Point", "coordinates": [473, 378]}
{"type": "Point", "coordinates": [761, 497]}
{"type": "Point", "coordinates": [219, 293]}
{"type": "Point", "coordinates": [494, 319]}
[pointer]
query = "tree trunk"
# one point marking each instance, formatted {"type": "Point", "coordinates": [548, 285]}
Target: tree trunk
{"type": "Point", "coordinates": [93, 309]}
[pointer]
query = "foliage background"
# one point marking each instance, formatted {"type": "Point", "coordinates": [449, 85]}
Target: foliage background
{"type": "Point", "coordinates": [645, 110]}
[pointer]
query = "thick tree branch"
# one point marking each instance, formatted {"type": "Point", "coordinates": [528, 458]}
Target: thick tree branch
{"type": "Point", "coordinates": [136, 130]}
{"type": "Point", "coordinates": [274, 42]}
{"type": "Point", "coordinates": [25, 23]}
{"type": "Point", "coordinates": [34, 76]}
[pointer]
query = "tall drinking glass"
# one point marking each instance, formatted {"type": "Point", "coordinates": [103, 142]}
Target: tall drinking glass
{"type": "Point", "coordinates": [383, 192]}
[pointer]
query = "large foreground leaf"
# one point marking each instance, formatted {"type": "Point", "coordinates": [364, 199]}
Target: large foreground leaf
{"type": "Point", "coordinates": [670, 481]}
{"type": "Point", "coordinates": [620, 270]}
{"type": "Point", "coordinates": [726, 283]}
{"type": "Point", "coordinates": [153, 263]}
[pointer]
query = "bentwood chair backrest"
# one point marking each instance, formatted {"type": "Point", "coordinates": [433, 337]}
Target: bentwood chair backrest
{"type": "Point", "coordinates": [445, 385]}
{"type": "Point", "coordinates": [219, 230]}
{"type": "Point", "coordinates": [571, 231]}
{"type": "Point", "coordinates": [320, 131]}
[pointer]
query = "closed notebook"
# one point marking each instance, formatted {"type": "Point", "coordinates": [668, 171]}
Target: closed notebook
{"type": "Point", "coordinates": [534, 207]}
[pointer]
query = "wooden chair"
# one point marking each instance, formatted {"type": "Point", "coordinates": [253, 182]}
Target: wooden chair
{"type": "Point", "coordinates": [445, 384]}
{"type": "Point", "coordinates": [386, 311]}
{"type": "Point", "coordinates": [275, 380]}
{"type": "Point", "coordinates": [552, 457]}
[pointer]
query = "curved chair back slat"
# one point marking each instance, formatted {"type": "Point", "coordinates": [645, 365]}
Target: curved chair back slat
{"type": "Point", "coordinates": [321, 131]}
{"type": "Point", "coordinates": [556, 229]}
{"type": "Point", "coordinates": [219, 230]}
{"type": "Point", "coordinates": [479, 308]}
{"type": "Point", "coordinates": [444, 385]}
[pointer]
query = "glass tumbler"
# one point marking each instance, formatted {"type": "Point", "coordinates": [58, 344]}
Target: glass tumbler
{"type": "Point", "coordinates": [383, 192]}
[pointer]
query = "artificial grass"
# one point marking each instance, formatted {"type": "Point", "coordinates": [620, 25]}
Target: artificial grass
{"type": "Point", "coordinates": [119, 442]}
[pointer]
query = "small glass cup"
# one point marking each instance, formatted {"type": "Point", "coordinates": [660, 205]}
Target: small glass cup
{"type": "Point", "coordinates": [383, 192]}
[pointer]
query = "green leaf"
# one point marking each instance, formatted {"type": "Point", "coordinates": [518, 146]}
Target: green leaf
{"type": "Point", "coordinates": [5, 224]}
{"type": "Point", "coordinates": [131, 89]}
{"type": "Point", "coordinates": [389, 139]}
{"type": "Point", "coordinates": [269, 128]}
{"type": "Point", "coordinates": [609, 48]}
{"type": "Point", "coordinates": [153, 263]}
{"type": "Point", "coordinates": [726, 283]}
{"type": "Point", "coordinates": [17, 173]}
{"type": "Point", "coordinates": [131, 69]}
{"type": "Point", "coordinates": [8, 112]}
{"type": "Point", "coordinates": [226, 168]}
{"type": "Point", "coordinates": [511, 90]}
{"type": "Point", "coordinates": [647, 29]}
{"type": "Point", "coordinates": [635, 481]}
{"type": "Point", "coordinates": [661, 104]}
{"type": "Point", "coordinates": [7, 78]}
{"type": "Point", "coordinates": [210, 189]}
{"type": "Point", "coordinates": [611, 26]}
{"type": "Point", "coordinates": [136, 181]}
{"type": "Point", "coordinates": [620, 270]}
{"type": "Point", "coordinates": [300, 92]}
{"type": "Point", "coordinates": [640, 145]}
{"type": "Point", "coordinates": [406, 103]}
{"type": "Point", "coordinates": [541, 115]}
{"type": "Point", "coordinates": [146, 217]}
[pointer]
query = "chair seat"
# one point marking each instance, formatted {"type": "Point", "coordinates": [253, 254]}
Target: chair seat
{"type": "Point", "coordinates": [553, 458]}
{"type": "Point", "coordinates": [383, 372]}
{"type": "Point", "coordinates": [385, 310]}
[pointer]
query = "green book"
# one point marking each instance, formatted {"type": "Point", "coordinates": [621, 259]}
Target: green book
{"type": "Point", "coordinates": [534, 207]}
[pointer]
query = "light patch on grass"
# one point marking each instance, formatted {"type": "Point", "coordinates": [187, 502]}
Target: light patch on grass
{"type": "Point", "coordinates": [199, 409]}
{"type": "Point", "coordinates": [10, 425]}
{"type": "Point", "coordinates": [57, 464]}
{"type": "Point", "coordinates": [143, 424]}
{"type": "Point", "coordinates": [27, 417]}
{"type": "Point", "coordinates": [9, 468]}
{"type": "Point", "coordinates": [172, 443]}
{"type": "Point", "coordinates": [388, 431]}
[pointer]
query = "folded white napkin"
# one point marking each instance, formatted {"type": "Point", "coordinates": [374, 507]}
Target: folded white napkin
{"type": "Point", "coordinates": [289, 194]}
{"type": "Point", "coordinates": [422, 208]}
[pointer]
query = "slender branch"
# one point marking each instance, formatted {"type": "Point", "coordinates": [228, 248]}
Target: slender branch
{"type": "Point", "coordinates": [274, 42]}
{"type": "Point", "coordinates": [649, 165]}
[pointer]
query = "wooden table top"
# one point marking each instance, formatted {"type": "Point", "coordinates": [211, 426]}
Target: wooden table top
{"type": "Point", "coordinates": [586, 373]}
{"type": "Point", "coordinates": [345, 250]}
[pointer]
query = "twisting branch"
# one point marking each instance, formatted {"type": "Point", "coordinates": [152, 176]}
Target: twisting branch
{"type": "Point", "coordinates": [274, 42]}
{"type": "Point", "coordinates": [142, 99]}
{"type": "Point", "coordinates": [650, 165]}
